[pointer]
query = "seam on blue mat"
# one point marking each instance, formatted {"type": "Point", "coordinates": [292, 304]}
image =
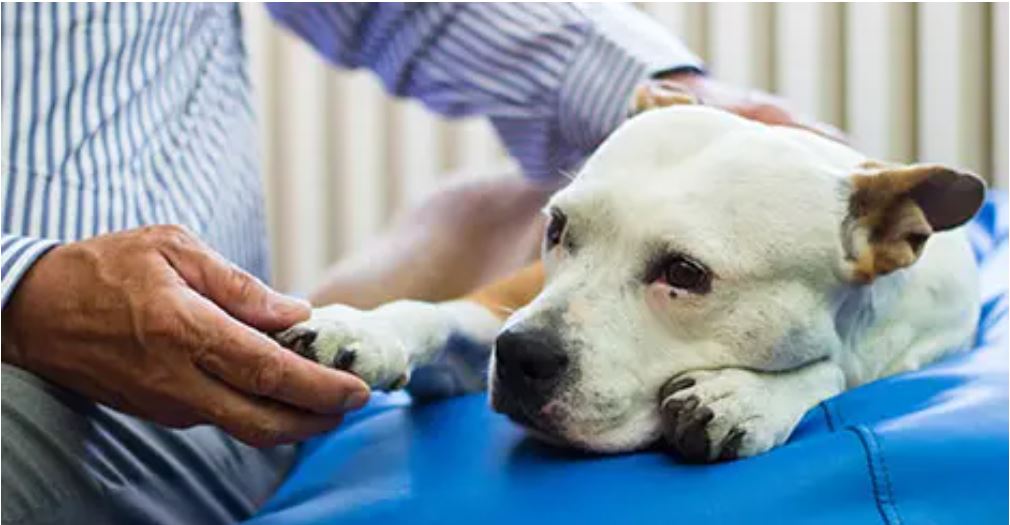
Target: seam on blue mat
{"type": "Point", "coordinates": [836, 412]}
{"type": "Point", "coordinates": [829, 416]}
{"type": "Point", "coordinates": [883, 491]}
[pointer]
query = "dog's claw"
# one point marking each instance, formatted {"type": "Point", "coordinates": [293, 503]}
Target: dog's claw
{"type": "Point", "coordinates": [400, 382]}
{"type": "Point", "coordinates": [730, 446]}
{"type": "Point", "coordinates": [367, 344]}
{"type": "Point", "coordinates": [704, 418]}
{"type": "Point", "coordinates": [298, 339]}
{"type": "Point", "coordinates": [673, 386]}
{"type": "Point", "coordinates": [345, 359]}
{"type": "Point", "coordinates": [685, 429]}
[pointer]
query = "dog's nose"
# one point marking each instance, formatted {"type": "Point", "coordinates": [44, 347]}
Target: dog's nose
{"type": "Point", "coordinates": [529, 358]}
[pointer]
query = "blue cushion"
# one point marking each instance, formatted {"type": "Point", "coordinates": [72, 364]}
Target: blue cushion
{"type": "Point", "coordinates": [923, 447]}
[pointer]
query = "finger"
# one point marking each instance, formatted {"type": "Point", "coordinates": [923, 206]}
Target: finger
{"type": "Point", "coordinates": [236, 291]}
{"type": "Point", "coordinates": [252, 362]}
{"type": "Point", "coordinates": [764, 112]}
{"type": "Point", "coordinates": [661, 93]}
{"type": "Point", "coordinates": [768, 110]}
{"type": "Point", "coordinates": [824, 130]}
{"type": "Point", "coordinates": [255, 421]}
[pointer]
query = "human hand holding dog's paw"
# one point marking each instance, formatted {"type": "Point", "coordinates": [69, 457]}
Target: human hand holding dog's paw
{"type": "Point", "coordinates": [717, 415]}
{"type": "Point", "coordinates": [154, 323]}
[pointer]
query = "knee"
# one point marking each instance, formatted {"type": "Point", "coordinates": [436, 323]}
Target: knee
{"type": "Point", "coordinates": [43, 475]}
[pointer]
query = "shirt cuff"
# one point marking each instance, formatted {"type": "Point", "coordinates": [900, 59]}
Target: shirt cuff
{"type": "Point", "coordinates": [625, 48]}
{"type": "Point", "coordinates": [17, 254]}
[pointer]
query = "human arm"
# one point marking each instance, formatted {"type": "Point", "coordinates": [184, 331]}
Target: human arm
{"type": "Point", "coordinates": [553, 79]}
{"type": "Point", "coordinates": [154, 323]}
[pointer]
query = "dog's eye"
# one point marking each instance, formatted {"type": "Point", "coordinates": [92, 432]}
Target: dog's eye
{"type": "Point", "coordinates": [685, 274]}
{"type": "Point", "coordinates": [555, 228]}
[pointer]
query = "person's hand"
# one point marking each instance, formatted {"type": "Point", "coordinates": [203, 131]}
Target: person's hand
{"type": "Point", "coordinates": [692, 87]}
{"type": "Point", "coordinates": [154, 323]}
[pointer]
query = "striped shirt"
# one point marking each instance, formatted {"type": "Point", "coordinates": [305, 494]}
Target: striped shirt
{"type": "Point", "coordinates": [116, 116]}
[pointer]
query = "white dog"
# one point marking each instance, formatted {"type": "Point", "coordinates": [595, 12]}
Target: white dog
{"type": "Point", "coordinates": [706, 280]}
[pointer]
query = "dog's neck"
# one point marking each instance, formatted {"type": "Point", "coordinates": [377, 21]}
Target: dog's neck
{"type": "Point", "coordinates": [860, 308]}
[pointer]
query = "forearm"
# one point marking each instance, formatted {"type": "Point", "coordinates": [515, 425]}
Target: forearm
{"type": "Point", "coordinates": [466, 235]}
{"type": "Point", "coordinates": [554, 79]}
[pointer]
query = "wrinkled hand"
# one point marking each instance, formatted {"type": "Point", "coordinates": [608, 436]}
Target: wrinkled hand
{"type": "Point", "coordinates": [694, 88]}
{"type": "Point", "coordinates": [154, 323]}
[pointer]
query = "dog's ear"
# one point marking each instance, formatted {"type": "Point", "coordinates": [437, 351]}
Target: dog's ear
{"type": "Point", "coordinates": [894, 209]}
{"type": "Point", "coordinates": [660, 94]}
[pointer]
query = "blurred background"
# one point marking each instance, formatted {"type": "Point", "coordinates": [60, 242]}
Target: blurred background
{"type": "Point", "coordinates": [907, 82]}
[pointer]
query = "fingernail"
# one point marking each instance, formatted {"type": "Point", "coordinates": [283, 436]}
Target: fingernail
{"type": "Point", "coordinates": [286, 306]}
{"type": "Point", "coordinates": [665, 88]}
{"type": "Point", "coordinates": [355, 401]}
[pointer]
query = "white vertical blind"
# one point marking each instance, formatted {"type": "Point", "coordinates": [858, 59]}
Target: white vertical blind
{"type": "Point", "coordinates": [906, 81]}
{"type": "Point", "coordinates": [687, 20]}
{"type": "Point", "coordinates": [880, 85]}
{"type": "Point", "coordinates": [1000, 114]}
{"type": "Point", "coordinates": [301, 157]}
{"type": "Point", "coordinates": [476, 147]}
{"type": "Point", "coordinates": [808, 44]}
{"type": "Point", "coordinates": [416, 158]}
{"type": "Point", "coordinates": [360, 160]}
{"type": "Point", "coordinates": [952, 110]}
{"type": "Point", "coordinates": [740, 43]}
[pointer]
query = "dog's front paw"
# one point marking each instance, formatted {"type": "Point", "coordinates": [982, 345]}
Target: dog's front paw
{"type": "Point", "coordinates": [362, 343]}
{"type": "Point", "coordinates": [720, 415]}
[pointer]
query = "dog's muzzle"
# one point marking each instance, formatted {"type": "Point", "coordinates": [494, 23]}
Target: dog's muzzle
{"type": "Point", "coordinates": [529, 367]}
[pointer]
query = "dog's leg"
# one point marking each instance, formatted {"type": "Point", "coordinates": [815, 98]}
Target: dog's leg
{"type": "Point", "coordinates": [382, 346]}
{"type": "Point", "coordinates": [728, 413]}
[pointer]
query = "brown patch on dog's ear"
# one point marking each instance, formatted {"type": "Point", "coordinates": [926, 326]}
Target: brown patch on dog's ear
{"type": "Point", "coordinates": [661, 94]}
{"type": "Point", "coordinates": [873, 164]}
{"type": "Point", "coordinates": [894, 209]}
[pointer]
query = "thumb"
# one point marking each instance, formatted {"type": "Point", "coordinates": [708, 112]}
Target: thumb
{"type": "Point", "coordinates": [234, 290]}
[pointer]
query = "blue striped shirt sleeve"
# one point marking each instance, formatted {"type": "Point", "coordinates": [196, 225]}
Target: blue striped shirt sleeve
{"type": "Point", "coordinates": [118, 115]}
{"type": "Point", "coordinates": [17, 254]}
{"type": "Point", "coordinates": [554, 79]}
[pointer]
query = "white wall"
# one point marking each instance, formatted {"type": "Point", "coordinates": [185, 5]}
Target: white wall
{"type": "Point", "coordinates": [906, 81]}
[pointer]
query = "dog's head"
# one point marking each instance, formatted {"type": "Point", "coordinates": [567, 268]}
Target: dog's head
{"type": "Point", "coordinates": [695, 239]}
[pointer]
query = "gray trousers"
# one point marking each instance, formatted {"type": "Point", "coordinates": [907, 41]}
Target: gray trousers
{"type": "Point", "coordinates": [68, 460]}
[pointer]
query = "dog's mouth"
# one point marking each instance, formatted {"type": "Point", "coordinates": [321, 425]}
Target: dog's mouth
{"type": "Point", "coordinates": [519, 412]}
{"type": "Point", "coordinates": [539, 420]}
{"type": "Point", "coordinates": [552, 423]}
